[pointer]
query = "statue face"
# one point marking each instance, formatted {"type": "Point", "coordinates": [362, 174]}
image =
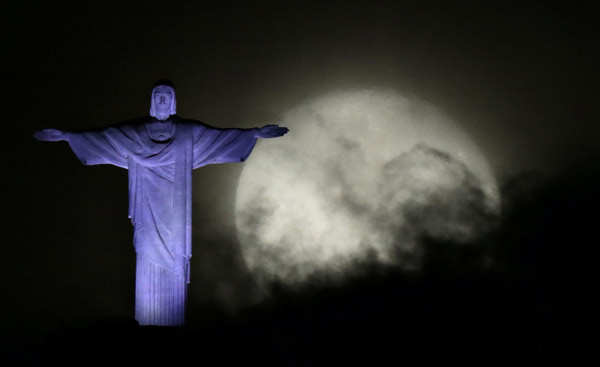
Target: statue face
{"type": "Point", "coordinates": [163, 98]}
{"type": "Point", "coordinates": [163, 102]}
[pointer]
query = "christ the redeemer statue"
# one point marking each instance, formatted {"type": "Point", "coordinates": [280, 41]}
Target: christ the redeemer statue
{"type": "Point", "coordinates": [160, 151]}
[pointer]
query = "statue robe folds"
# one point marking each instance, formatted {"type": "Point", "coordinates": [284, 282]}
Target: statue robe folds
{"type": "Point", "coordinates": [160, 157]}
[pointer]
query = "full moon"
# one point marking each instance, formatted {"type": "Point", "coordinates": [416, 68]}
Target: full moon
{"type": "Point", "coordinates": [361, 178]}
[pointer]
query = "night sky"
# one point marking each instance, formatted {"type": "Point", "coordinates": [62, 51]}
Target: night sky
{"type": "Point", "coordinates": [521, 80]}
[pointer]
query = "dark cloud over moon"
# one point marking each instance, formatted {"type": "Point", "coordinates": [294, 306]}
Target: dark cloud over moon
{"type": "Point", "coordinates": [362, 178]}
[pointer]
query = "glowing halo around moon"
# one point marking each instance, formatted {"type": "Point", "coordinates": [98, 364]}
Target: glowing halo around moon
{"type": "Point", "coordinates": [361, 176]}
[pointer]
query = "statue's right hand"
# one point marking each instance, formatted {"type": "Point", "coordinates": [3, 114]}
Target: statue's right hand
{"type": "Point", "coordinates": [50, 135]}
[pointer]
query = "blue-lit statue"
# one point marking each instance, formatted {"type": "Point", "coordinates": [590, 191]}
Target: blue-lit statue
{"type": "Point", "coordinates": [160, 152]}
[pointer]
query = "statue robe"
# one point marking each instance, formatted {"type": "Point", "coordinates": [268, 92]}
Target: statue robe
{"type": "Point", "coordinates": [160, 157]}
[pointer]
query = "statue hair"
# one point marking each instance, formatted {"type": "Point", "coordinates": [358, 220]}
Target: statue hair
{"type": "Point", "coordinates": [173, 104]}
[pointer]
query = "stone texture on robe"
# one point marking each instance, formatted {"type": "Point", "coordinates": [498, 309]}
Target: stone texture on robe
{"type": "Point", "coordinates": [160, 157]}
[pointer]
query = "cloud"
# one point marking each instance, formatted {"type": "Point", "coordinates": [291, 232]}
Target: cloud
{"type": "Point", "coordinates": [436, 195]}
{"type": "Point", "coordinates": [421, 193]}
{"type": "Point", "coordinates": [363, 178]}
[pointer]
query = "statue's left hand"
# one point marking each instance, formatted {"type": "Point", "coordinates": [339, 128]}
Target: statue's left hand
{"type": "Point", "coordinates": [50, 135]}
{"type": "Point", "coordinates": [271, 131]}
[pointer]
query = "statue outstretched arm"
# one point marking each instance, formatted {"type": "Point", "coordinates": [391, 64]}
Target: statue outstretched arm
{"type": "Point", "coordinates": [51, 135]}
{"type": "Point", "coordinates": [213, 145]}
{"type": "Point", "coordinates": [271, 131]}
{"type": "Point", "coordinates": [91, 147]}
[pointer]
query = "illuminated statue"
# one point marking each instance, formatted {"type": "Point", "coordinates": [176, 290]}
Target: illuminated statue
{"type": "Point", "coordinates": [160, 152]}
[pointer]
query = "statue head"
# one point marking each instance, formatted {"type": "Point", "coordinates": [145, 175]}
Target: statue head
{"type": "Point", "coordinates": [163, 103]}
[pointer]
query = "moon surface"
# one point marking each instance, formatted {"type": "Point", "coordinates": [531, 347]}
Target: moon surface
{"type": "Point", "coordinates": [361, 178]}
